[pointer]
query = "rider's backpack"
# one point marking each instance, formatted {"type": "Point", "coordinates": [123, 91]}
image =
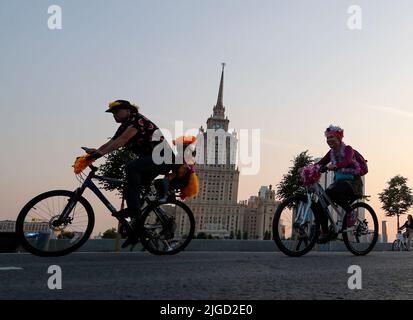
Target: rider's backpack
{"type": "Point", "coordinates": [362, 163]}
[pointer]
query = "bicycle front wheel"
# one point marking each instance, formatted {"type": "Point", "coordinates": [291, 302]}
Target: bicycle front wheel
{"type": "Point", "coordinates": [42, 230]}
{"type": "Point", "coordinates": [167, 229]}
{"type": "Point", "coordinates": [295, 226]}
{"type": "Point", "coordinates": [360, 229]}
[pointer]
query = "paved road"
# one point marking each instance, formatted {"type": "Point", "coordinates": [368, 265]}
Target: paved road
{"type": "Point", "coordinates": [208, 275]}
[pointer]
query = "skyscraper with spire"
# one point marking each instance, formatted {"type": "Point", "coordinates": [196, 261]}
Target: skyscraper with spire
{"type": "Point", "coordinates": [216, 207]}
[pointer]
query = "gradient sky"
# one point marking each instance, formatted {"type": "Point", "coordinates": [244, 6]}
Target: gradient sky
{"type": "Point", "coordinates": [293, 68]}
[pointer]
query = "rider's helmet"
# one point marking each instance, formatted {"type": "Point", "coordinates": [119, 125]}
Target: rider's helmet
{"type": "Point", "coordinates": [122, 104]}
{"type": "Point", "coordinates": [334, 131]}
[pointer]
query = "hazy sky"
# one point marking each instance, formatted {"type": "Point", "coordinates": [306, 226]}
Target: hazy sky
{"type": "Point", "coordinates": [293, 68]}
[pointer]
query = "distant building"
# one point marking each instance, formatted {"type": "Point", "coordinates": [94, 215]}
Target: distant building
{"type": "Point", "coordinates": [260, 213]}
{"type": "Point", "coordinates": [7, 226]}
{"type": "Point", "coordinates": [384, 231]}
{"type": "Point", "coordinates": [33, 226]}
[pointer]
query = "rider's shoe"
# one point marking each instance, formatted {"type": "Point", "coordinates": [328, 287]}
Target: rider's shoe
{"type": "Point", "coordinates": [323, 238]}
{"type": "Point", "coordinates": [133, 238]}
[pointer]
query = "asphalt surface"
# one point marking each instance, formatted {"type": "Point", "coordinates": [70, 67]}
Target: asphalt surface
{"type": "Point", "coordinates": [208, 275]}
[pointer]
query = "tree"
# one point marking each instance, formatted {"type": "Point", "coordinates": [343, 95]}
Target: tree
{"type": "Point", "coordinates": [291, 183]}
{"type": "Point", "coordinates": [239, 234]}
{"type": "Point", "coordinates": [267, 235]}
{"type": "Point", "coordinates": [110, 234]}
{"type": "Point", "coordinates": [202, 235]}
{"type": "Point", "coordinates": [245, 235]}
{"type": "Point", "coordinates": [397, 198]}
{"type": "Point", "coordinates": [114, 167]}
{"type": "Point", "coordinates": [231, 235]}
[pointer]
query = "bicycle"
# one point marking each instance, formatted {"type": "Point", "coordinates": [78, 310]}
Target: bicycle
{"type": "Point", "coordinates": [58, 222]}
{"type": "Point", "coordinates": [296, 228]}
{"type": "Point", "coordinates": [400, 244]}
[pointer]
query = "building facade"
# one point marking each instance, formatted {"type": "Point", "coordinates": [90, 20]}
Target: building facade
{"type": "Point", "coordinates": [260, 213]}
{"type": "Point", "coordinates": [216, 208]}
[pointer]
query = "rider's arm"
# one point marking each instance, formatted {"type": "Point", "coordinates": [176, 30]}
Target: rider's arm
{"type": "Point", "coordinates": [116, 143]}
{"type": "Point", "coordinates": [325, 160]}
{"type": "Point", "coordinates": [119, 141]}
{"type": "Point", "coordinates": [105, 145]}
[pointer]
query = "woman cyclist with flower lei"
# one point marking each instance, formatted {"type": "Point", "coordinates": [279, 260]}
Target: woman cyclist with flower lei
{"type": "Point", "coordinates": [347, 185]}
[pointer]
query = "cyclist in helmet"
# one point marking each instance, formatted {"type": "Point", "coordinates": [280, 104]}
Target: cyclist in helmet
{"type": "Point", "coordinates": [347, 185]}
{"type": "Point", "coordinates": [135, 134]}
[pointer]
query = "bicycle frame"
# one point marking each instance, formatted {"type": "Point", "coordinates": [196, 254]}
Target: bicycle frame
{"type": "Point", "coordinates": [316, 190]}
{"type": "Point", "coordinates": [88, 183]}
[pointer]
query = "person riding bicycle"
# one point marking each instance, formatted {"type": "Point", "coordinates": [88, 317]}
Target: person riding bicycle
{"type": "Point", "coordinates": [347, 185]}
{"type": "Point", "coordinates": [408, 225]}
{"type": "Point", "coordinates": [136, 133]}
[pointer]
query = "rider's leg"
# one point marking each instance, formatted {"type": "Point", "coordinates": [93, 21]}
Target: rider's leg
{"type": "Point", "coordinates": [135, 171]}
{"type": "Point", "coordinates": [341, 192]}
{"type": "Point", "coordinates": [318, 210]}
{"type": "Point", "coordinates": [409, 237]}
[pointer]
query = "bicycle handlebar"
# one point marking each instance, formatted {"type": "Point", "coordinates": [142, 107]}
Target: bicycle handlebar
{"type": "Point", "coordinates": [88, 150]}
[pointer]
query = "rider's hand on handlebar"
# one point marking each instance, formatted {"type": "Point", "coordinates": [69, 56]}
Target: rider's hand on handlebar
{"type": "Point", "coordinates": [89, 150]}
{"type": "Point", "coordinates": [323, 169]}
{"type": "Point", "coordinates": [94, 155]}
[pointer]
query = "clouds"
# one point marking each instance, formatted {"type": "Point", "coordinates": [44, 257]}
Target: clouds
{"type": "Point", "coordinates": [393, 111]}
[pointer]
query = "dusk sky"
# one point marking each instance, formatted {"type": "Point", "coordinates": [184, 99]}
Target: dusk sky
{"type": "Point", "coordinates": [292, 69]}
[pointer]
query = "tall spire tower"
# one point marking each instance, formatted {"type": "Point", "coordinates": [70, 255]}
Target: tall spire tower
{"type": "Point", "coordinates": [216, 207]}
{"type": "Point", "coordinates": [218, 119]}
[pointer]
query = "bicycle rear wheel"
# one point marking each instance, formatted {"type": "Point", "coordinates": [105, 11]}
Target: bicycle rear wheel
{"type": "Point", "coordinates": [167, 229]}
{"type": "Point", "coordinates": [398, 246]}
{"type": "Point", "coordinates": [361, 230]}
{"type": "Point", "coordinates": [294, 232]}
{"type": "Point", "coordinates": [41, 230]}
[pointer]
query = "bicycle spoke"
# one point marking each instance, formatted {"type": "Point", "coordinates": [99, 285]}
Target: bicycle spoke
{"type": "Point", "coordinates": [45, 232]}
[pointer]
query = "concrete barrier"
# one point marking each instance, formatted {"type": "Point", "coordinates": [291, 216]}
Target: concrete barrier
{"type": "Point", "coordinates": [108, 245]}
{"type": "Point", "coordinates": [8, 242]}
